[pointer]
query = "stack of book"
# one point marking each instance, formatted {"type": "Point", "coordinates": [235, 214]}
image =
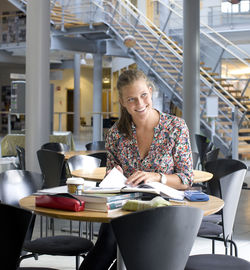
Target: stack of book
{"type": "Point", "coordinates": [105, 202]}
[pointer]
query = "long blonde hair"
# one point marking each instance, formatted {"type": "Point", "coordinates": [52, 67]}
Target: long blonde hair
{"type": "Point", "coordinates": [126, 78]}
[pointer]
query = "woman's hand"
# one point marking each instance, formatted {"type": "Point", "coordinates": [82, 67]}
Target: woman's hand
{"type": "Point", "coordinates": [143, 177]}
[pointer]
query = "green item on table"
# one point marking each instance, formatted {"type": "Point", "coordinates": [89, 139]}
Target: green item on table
{"type": "Point", "coordinates": [136, 205]}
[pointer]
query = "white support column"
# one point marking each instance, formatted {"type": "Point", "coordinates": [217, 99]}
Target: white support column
{"type": "Point", "coordinates": [37, 80]}
{"type": "Point", "coordinates": [191, 68]}
{"type": "Point", "coordinates": [77, 70]}
{"type": "Point", "coordinates": [97, 98]}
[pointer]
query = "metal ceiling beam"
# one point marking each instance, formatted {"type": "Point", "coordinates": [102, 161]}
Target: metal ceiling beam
{"type": "Point", "coordinates": [77, 45]}
{"type": "Point", "coordinates": [19, 5]}
{"type": "Point", "coordinates": [6, 57]}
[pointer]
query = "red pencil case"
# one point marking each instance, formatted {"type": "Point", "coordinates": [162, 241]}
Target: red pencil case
{"type": "Point", "coordinates": [63, 201]}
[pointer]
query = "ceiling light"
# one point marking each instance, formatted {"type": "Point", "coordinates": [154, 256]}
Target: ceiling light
{"type": "Point", "coordinates": [129, 41]}
{"type": "Point", "coordinates": [83, 62]}
{"type": "Point", "coordinates": [89, 56]}
{"type": "Point", "coordinates": [106, 80]}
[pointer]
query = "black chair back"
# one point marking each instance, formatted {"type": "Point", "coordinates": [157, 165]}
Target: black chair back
{"type": "Point", "coordinates": [16, 184]}
{"type": "Point", "coordinates": [97, 145]}
{"type": "Point", "coordinates": [203, 147]}
{"type": "Point", "coordinates": [100, 155]}
{"type": "Point", "coordinates": [159, 238]}
{"type": "Point", "coordinates": [52, 165]}
{"type": "Point", "coordinates": [57, 147]}
{"type": "Point", "coordinates": [195, 157]}
{"type": "Point", "coordinates": [14, 226]}
{"type": "Point", "coordinates": [212, 155]}
{"type": "Point", "coordinates": [228, 177]}
{"type": "Point", "coordinates": [21, 157]}
{"type": "Point", "coordinates": [83, 162]}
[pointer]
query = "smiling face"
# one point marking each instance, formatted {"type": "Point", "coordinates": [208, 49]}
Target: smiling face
{"type": "Point", "coordinates": [137, 99]}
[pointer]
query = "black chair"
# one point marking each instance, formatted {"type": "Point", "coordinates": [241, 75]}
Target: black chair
{"type": "Point", "coordinates": [97, 145]}
{"type": "Point", "coordinates": [52, 165]}
{"type": "Point", "coordinates": [203, 146]}
{"type": "Point", "coordinates": [195, 157]}
{"type": "Point", "coordinates": [216, 262]}
{"type": "Point", "coordinates": [83, 162]}
{"type": "Point", "coordinates": [57, 147]}
{"type": "Point", "coordinates": [228, 176]}
{"type": "Point", "coordinates": [159, 238]}
{"type": "Point", "coordinates": [100, 155]}
{"type": "Point", "coordinates": [211, 155]}
{"type": "Point", "coordinates": [21, 157]}
{"type": "Point", "coordinates": [16, 184]}
{"type": "Point", "coordinates": [15, 226]}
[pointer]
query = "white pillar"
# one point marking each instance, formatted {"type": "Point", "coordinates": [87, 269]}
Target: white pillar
{"type": "Point", "coordinates": [37, 80]}
{"type": "Point", "coordinates": [97, 98]}
{"type": "Point", "coordinates": [77, 70]}
{"type": "Point", "coordinates": [191, 68]}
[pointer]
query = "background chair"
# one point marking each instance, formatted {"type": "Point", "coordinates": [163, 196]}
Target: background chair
{"type": "Point", "coordinates": [17, 184]}
{"type": "Point", "coordinates": [21, 157]}
{"type": "Point", "coordinates": [88, 163]}
{"type": "Point", "coordinates": [52, 165]}
{"type": "Point", "coordinates": [228, 176]}
{"type": "Point", "coordinates": [83, 162]}
{"type": "Point", "coordinates": [15, 226]}
{"type": "Point", "coordinates": [97, 145]}
{"type": "Point", "coordinates": [216, 262]}
{"type": "Point", "coordinates": [211, 155]}
{"type": "Point", "coordinates": [195, 156]}
{"type": "Point", "coordinates": [57, 147]}
{"type": "Point", "coordinates": [203, 146]}
{"type": "Point", "coordinates": [159, 238]}
{"type": "Point", "coordinates": [100, 155]}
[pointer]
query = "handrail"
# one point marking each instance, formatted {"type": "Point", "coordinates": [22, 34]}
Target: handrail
{"type": "Point", "coordinates": [215, 32]}
{"type": "Point", "coordinates": [176, 54]}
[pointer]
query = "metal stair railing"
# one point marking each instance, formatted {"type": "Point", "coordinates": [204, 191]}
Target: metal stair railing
{"type": "Point", "coordinates": [121, 22]}
{"type": "Point", "coordinates": [224, 50]}
{"type": "Point", "coordinates": [208, 34]}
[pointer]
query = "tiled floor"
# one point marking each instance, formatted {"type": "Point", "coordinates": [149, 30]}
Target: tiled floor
{"type": "Point", "coordinates": [241, 235]}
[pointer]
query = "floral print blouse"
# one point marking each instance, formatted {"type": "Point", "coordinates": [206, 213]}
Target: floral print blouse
{"type": "Point", "coordinates": [169, 153]}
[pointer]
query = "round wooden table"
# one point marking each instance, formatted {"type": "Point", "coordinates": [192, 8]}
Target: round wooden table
{"type": "Point", "coordinates": [99, 173]}
{"type": "Point", "coordinates": [210, 207]}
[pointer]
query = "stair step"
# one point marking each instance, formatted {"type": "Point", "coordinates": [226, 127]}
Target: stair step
{"type": "Point", "coordinates": [210, 73]}
{"type": "Point", "coordinates": [242, 130]}
{"type": "Point", "coordinates": [167, 65]}
{"type": "Point", "coordinates": [207, 68]}
{"type": "Point", "coordinates": [240, 138]}
{"type": "Point", "coordinates": [226, 85]}
{"type": "Point", "coordinates": [226, 123]}
{"type": "Point", "coordinates": [173, 60]}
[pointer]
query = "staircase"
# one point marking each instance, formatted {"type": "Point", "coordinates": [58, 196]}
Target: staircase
{"type": "Point", "coordinates": [161, 56]}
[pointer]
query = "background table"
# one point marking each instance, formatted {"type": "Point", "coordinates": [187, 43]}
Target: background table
{"type": "Point", "coordinates": [81, 152]}
{"type": "Point", "coordinates": [99, 173]}
{"type": "Point", "coordinates": [9, 142]}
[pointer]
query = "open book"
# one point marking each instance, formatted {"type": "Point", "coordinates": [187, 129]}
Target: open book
{"type": "Point", "coordinates": [115, 181]}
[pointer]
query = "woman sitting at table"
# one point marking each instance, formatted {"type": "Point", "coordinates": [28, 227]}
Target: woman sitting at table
{"type": "Point", "coordinates": [147, 146]}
